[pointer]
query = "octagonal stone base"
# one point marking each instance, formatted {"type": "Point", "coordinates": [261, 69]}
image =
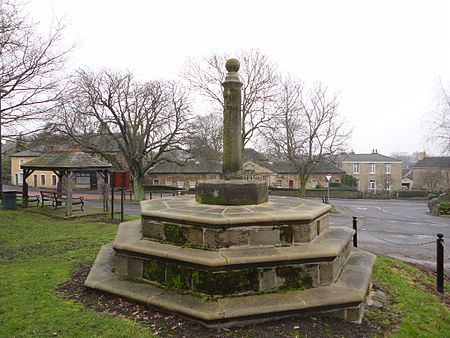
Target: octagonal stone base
{"type": "Point", "coordinates": [231, 192]}
{"type": "Point", "coordinates": [225, 265]}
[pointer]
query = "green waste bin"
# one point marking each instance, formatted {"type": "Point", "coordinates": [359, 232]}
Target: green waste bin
{"type": "Point", "coordinates": [9, 200]}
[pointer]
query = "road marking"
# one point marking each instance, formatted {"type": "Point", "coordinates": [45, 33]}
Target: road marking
{"type": "Point", "coordinates": [361, 208]}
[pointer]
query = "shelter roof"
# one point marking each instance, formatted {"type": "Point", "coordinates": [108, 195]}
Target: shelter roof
{"type": "Point", "coordinates": [67, 161]}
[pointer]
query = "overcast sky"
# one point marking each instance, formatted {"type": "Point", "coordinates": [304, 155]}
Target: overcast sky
{"type": "Point", "coordinates": [383, 57]}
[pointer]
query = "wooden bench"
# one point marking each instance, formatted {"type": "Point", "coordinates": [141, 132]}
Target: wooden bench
{"type": "Point", "coordinates": [31, 198]}
{"type": "Point", "coordinates": [57, 199]}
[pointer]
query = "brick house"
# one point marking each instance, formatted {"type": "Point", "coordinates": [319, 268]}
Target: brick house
{"type": "Point", "coordinates": [373, 172]}
{"type": "Point", "coordinates": [432, 174]}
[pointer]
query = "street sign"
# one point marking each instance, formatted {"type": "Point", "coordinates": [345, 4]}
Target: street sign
{"type": "Point", "coordinates": [328, 177]}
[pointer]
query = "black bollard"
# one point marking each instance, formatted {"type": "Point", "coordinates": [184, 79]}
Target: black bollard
{"type": "Point", "coordinates": [440, 263]}
{"type": "Point", "coordinates": [112, 203]}
{"type": "Point", "coordinates": [355, 236]}
{"type": "Point", "coordinates": [122, 197]}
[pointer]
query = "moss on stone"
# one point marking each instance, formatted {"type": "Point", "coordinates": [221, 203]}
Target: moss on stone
{"type": "Point", "coordinates": [227, 282]}
{"type": "Point", "coordinates": [154, 271]}
{"type": "Point", "coordinates": [295, 278]}
{"type": "Point", "coordinates": [286, 234]}
{"type": "Point", "coordinates": [174, 234]}
{"type": "Point", "coordinates": [178, 277]}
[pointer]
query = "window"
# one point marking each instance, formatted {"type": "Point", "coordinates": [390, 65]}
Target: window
{"type": "Point", "coordinates": [388, 185]}
{"type": "Point", "coordinates": [356, 168]}
{"type": "Point", "coordinates": [372, 168]}
{"type": "Point", "coordinates": [249, 175]}
{"type": "Point", "coordinates": [83, 179]}
{"type": "Point", "coordinates": [192, 184]}
{"type": "Point", "coordinates": [21, 161]}
{"type": "Point", "coordinates": [155, 182]}
{"type": "Point", "coordinates": [265, 178]}
{"type": "Point", "coordinates": [358, 184]}
{"type": "Point", "coordinates": [314, 183]}
{"type": "Point", "coordinates": [387, 168]}
{"type": "Point", "coordinates": [372, 185]}
{"type": "Point", "coordinates": [279, 184]}
{"type": "Point", "coordinates": [20, 179]}
{"type": "Point", "coordinates": [180, 184]}
{"type": "Point", "coordinates": [54, 180]}
{"type": "Point", "coordinates": [168, 183]}
{"type": "Point", "coordinates": [42, 180]}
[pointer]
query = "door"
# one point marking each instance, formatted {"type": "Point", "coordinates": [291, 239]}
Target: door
{"type": "Point", "coordinates": [93, 180]}
{"type": "Point", "coordinates": [291, 184]}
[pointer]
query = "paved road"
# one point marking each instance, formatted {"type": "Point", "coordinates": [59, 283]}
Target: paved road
{"type": "Point", "coordinates": [400, 229]}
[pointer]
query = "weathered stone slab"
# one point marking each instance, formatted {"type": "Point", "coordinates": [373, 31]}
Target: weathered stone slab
{"type": "Point", "coordinates": [232, 192]}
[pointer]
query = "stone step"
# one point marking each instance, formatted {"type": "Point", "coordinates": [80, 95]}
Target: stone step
{"type": "Point", "coordinates": [324, 248]}
{"type": "Point", "coordinates": [345, 298]}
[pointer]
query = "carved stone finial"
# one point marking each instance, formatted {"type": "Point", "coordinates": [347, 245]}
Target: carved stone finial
{"type": "Point", "coordinates": [232, 65]}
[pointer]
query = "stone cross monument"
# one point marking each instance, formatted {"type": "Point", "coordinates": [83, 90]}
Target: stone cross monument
{"type": "Point", "coordinates": [232, 189]}
{"type": "Point", "coordinates": [232, 123]}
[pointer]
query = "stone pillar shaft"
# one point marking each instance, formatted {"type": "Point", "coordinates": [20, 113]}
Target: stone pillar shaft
{"type": "Point", "coordinates": [232, 124]}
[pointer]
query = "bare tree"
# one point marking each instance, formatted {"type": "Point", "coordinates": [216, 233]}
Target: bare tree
{"type": "Point", "coordinates": [30, 71]}
{"type": "Point", "coordinates": [30, 67]}
{"type": "Point", "coordinates": [259, 80]}
{"type": "Point", "coordinates": [308, 128]}
{"type": "Point", "coordinates": [205, 137]}
{"type": "Point", "coordinates": [144, 121]}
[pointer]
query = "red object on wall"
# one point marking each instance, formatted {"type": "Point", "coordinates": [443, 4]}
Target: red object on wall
{"type": "Point", "coordinates": [120, 179]}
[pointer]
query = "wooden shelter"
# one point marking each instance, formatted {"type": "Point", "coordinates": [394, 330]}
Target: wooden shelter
{"type": "Point", "coordinates": [64, 164]}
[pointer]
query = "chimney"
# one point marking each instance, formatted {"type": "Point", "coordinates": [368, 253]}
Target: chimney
{"type": "Point", "coordinates": [422, 155]}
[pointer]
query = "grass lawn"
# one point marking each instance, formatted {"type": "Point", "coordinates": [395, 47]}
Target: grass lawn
{"type": "Point", "coordinates": [38, 253]}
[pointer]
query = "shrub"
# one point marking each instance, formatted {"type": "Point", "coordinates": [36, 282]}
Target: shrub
{"type": "Point", "coordinates": [432, 203]}
{"type": "Point", "coordinates": [348, 180]}
{"type": "Point", "coordinates": [442, 208]}
{"type": "Point", "coordinates": [334, 184]}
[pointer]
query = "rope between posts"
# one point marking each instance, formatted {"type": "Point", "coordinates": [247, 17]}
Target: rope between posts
{"type": "Point", "coordinates": [395, 243]}
{"type": "Point", "coordinates": [446, 250]}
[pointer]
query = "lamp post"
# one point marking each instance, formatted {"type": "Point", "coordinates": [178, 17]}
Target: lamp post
{"type": "Point", "coordinates": [2, 91]}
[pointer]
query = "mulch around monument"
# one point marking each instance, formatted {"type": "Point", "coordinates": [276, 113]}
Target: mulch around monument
{"type": "Point", "coordinates": [164, 324]}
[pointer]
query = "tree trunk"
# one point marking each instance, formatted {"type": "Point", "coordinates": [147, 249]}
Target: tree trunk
{"type": "Point", "coordinates": [302, 186]}
{"type": "Point", "coordinates": [138, 187]}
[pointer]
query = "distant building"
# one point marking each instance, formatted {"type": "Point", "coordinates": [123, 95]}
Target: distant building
{"type": "Point", "coordinates": [276, 173]}
{"type": "Point", "coordinates": [432, 173]}
{"type": "Point", "coordinates": [373, 172]}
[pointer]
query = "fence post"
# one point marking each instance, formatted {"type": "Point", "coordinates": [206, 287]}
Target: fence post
{"type": "Point", "coordinates": [112, 203]}
{"type": "Point", "coordinates": [122, 197]}
{"type": "Point", "coordinates": [440, 263]}
{"type": "Point", "coordinates": [355, 236]}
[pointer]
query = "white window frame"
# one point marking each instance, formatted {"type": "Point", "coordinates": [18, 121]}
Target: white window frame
{"type": "Point", "coordinates": [388, 185]}
{"type": "Point", "coordinates": [192, 183]}
{"type": "Point", "coordinates": [21, 161]}
{"type": "Point", "coordinates": [387, 168]}
{"type": "Point", "coordinates": [180, 184]}
{"type": "Point", "coordinates": [168, 183]}
{"type": "Point", "coordinates": [314, 183]}
{"type": "Point", "coordinates": [20, 178]}
{"type": "Point", "coordinates": [54, 180]}
{"type": "Point", "coordinates": [279, 183]}
{"type": "Point", "coordinates": [356, 168]}
{"type": "Point", "coordinates": [372, 185]}
{"type": "Point", "coordinates": [372, 168]}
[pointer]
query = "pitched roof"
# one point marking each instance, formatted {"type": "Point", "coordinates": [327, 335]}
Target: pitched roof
{"type": "Point", "coordinates": [188, 167]}
{"type": "Point", "coordinates": [286, 167]}
{"type": "Point", "coordinates": [66, 161]}
{"type": "Point", "coordinates": [433, 162]}
{"type": "Point", "coordinates": [27, 153]}
{"type": "Point", "coordinates": [251, 154]}
{"type": "Point", "coordinates": [373, 157]}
